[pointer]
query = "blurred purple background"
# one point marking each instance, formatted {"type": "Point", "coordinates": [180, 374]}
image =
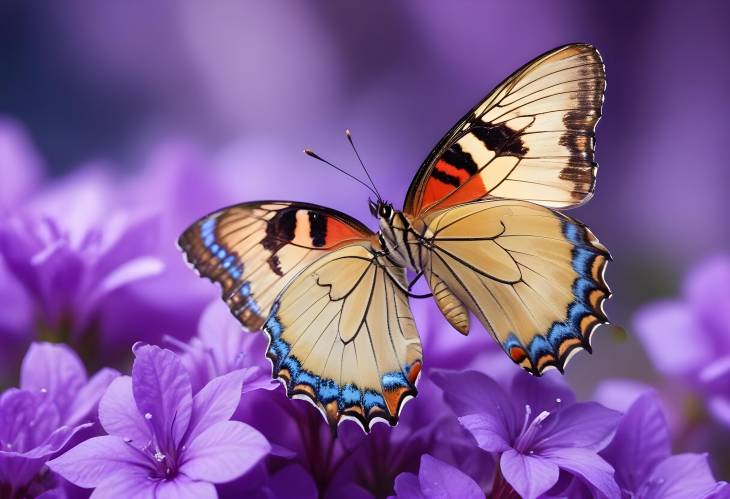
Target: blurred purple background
{"type": "Point", "coordinates": [233, 91]}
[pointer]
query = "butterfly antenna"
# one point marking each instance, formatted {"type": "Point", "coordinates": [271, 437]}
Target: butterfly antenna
{"type": "Point", "coordinates": [349, 138]}
{"type": "Point", "coordinates": [314, 155]}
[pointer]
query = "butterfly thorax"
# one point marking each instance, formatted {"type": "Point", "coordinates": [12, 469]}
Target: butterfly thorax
{"type": "Point", "coordinates": [398, 238]}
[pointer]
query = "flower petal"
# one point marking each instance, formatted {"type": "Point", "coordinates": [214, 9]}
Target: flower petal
{"type": "Point", "coordinates": [128, 272]}
{"type": "Point", "coordinates": [530, 476]}
{"type": "Point", "coordinates": [55, 369]}
{"type": "Point", "coordinates": [439, 479]}
{"type": "Point", "coordinates": [224, 452]}
{"type": "Point", "coordinates": [161, 387]}
{"type": "Point", "coordinates": [58, 440]}
{"type": "Point", "coordinates": [678, 477]}
{"type": "Point", "coordinates": [719, 407]}
{"type": "Point", "coordinates": [127, 483]}
{"type": "Point", "coordinates": [487, 430]}
{"type": "Point", "coordinates": [19, 411]}
{"type": "Point", "coordinates": [618, 394]}
{"type": "Point", "coordinates": [293, 481]}
{"type": "Point", "coordinates": [588, 425]}
{"type": "Point", "coordinates": [182, 487]}
{"type": "Point", "coordinates": [407, 486]}
{"type": "Point", "coordinates": [94, 460]}
{"type": "Point", "coordinates": [472, 392]}
{"type": "Point", "coordinates": [674, 340]}
{"type": "Point", "coordinates": [89, 396]}
{"type": "Point", "coordinates": [17, 470]}
{"type": "Point", "coordinates": [57, 493]}
{"type": "Point", "coordinates": [119, 415]}
{"type": "Point", "coordinates": [215, 402]}
{"type": "Point", "coordinates": [641, 441]}
{"type": "Point", "coordinates": [707, 289]}
{"type": "Point", "coordinates": [587, 465]}
{"type": "Point", "coordinates": [546, 393]}
{"type": "Point", "coordinates": [258, 378]}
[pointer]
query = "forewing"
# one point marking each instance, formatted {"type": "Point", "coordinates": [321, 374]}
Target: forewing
{"type": "Point", "coordinates": [531, 138]}
{"type": "Point", "coordinates": [532, 276]}
{"type": "Point", "coordinates": [254, 249]}
{"type": "Point", "coordinates": [342, 335]}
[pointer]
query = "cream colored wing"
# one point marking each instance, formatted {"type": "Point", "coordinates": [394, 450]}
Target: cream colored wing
{"type": "Point", "coordinates": [341, 335]}
{"type": "Point", "coordinates": [530, 139]}
{"type": "Point", "coordinates": [532, 276]}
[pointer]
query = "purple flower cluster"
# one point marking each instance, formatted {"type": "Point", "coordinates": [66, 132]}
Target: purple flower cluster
{"type": "Point", "coordinates": [89, 275]}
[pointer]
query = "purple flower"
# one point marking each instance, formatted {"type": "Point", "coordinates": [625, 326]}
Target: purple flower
{"type": "Point", "coordinates": [70, 250]}
{"type": "Point", "coordinates": [689, 339]}
{"type": "Point", "coordinates": [39, 419]}
{"type": "Point", "coordinates": [640, 453]}
{"type": "Point", "coordinates": [161, 439]}
{"type": "Point", "coordinates": [222, 347]}
{"type": "Point", "coordinates": [536, 428]}
{"type": "Point", "coordinates": [436, 479]}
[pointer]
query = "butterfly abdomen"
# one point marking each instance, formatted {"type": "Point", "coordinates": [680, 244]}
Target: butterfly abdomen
{"type": "Point", "coordinates": [453, 309]}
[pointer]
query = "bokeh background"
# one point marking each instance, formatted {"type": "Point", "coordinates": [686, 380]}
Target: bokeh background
{"type": "Point", "coordinates": [227, 94]}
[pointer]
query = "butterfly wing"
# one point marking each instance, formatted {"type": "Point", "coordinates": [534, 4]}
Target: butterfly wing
{"type": "Point", "coordinates": [341, 335]}
{"type": "Point", "coordinates": [530, 139]}
{"type": "Point", "coordinates": [532, 276]}
{"type": "Point", "coordinates": [252, 250]}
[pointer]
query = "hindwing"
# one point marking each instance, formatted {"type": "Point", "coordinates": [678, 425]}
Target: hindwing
{"type": "Point", "coordinates": [341, 335]}
{"type": "Point", "coordinates": [532, 276]}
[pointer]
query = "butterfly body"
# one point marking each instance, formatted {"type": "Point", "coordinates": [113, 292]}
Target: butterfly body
{"type": "Point", "coordinates": [482, 222]}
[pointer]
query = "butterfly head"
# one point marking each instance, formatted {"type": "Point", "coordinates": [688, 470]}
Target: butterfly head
{"type": "Point", "coordinates": [381, 209]}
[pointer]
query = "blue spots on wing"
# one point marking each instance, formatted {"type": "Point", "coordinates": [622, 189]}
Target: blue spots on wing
{"type": "Point", "coordinates": [394, 380]}
{"type": "Point", "coordinates": [372, 399]}
{"type": "Point", "coordinates": [247, 298]}
{"type": "Point", "coordinates": [326, 390]}
{"type": "Point", "coordinates": [583, 256]}
{"type": "Point", "coordinates": [349, 396]}
{"type": "Point", "coordinates": [228, 262]}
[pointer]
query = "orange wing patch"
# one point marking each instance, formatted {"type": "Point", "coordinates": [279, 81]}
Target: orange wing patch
{"type": "Point", "coordinates": [445, 179]}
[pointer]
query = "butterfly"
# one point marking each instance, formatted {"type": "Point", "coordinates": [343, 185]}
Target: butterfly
{"type": "Point", "coordinates": [481, 224]}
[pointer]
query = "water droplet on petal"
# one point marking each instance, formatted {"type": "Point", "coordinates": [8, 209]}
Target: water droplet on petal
{"type": "Point", "coordinates": [184, 447]}
{"type": "Point", "coordinates": [9, 445]}
{"type": "Point", "coordinates": [532, 452]}
{"type": "Point", "coordinates": [159, 456]}
{"type": "Point", "coordinates": [558, 400]}
{"type": "Point", "coordinates": [44, 390]}
{"type": "Point", "coordinates": [127, 440]}
{"type": "Point", "coordinates": [148, 416]}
